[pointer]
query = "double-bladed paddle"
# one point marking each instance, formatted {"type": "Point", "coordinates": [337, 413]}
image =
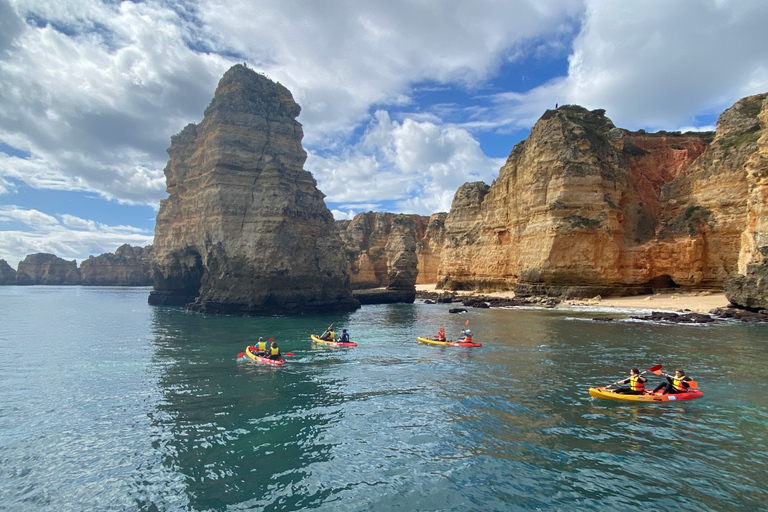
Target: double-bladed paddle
{"type": "Point", "coordinates": [653, 369]}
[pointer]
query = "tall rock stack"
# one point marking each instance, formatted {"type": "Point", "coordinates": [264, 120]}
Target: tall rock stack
{"type": "Point", "coordinates": [750, 288]}
{"type": "Point", "coordinates": [127, 266]}
{"type": "Point", "coordinates": [245, 229]}
{"type": "Point", "coordinates": [7, 273]}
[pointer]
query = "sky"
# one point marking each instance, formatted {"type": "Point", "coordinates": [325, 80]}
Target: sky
{"type": "Point", "coordinates": [402, 101]}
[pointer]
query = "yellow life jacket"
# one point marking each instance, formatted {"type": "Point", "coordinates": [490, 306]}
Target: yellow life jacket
{"type": "Point", "coordinates": [262, 346]}
{"type": "Point", "coordinates": [273, 351]}
{"type": "Point", "coordinates": [331, 336]}
{"type": "Point", "coordinates": [636, 384]}
{"type": "Point", "coordinates": [678, 383]}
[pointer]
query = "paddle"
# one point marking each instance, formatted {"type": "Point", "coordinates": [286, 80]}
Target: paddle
{"type": "Point", "coordinates": [653, 369]}
{"type": "Point", "coordinates": [242, 354]}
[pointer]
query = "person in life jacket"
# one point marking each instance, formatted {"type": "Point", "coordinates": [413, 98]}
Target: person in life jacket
{"type": "Point", "coordinates": [344, 336]}
{"type": "Point", "coordinates": [675, 384]}
{"type": "Point", "coordinates": [466, 335]}
{"type": "Point", "coordinates": [274, 352]}
{"type": "Point", "coordinates": [636, 383]}
{"type": "Point", "coordinates": [261, 346]}
{"type": "Point", "coordinates": [440, 336]}
{"type": "Point", "coordinates": [328, 335]}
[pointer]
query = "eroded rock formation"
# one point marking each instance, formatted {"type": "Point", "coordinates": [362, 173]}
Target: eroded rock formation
{"type": "Point", "coordinates": [574, 211]}
{"type": "Point", "coordinates": [7, 273]}
{"type": "Point", "coordinates": [127, 266]}
{"type": "Point", "coordinates": [750, 288]}
{"type": "Point", "coordinates": [48, 269]}
{"type": "Point", "coordinates": [245, 229]}
{"type": "Point", "coordinates": [429, 249]}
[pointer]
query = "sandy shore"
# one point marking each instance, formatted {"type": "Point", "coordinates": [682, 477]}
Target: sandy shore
{"type": "Point", "coordinates": [701, 302]}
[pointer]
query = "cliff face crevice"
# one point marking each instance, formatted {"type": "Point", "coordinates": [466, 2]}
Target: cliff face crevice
{"type": "Point", "coordinates": [245, 229]}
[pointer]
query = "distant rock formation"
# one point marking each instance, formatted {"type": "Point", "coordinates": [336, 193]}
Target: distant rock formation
{"type": "Point", "coordinates": [381, 253]}
{"type": "Point", "coordinates": [7, 273]}
{"type": "Point", "coordinates": [245, 229]}
{"type": "Point", "coordinates": [429, 249]}
{"type": "Point", "coordinates": [127, 266]}
{"type": "Point", "coordinates": [48, 269]}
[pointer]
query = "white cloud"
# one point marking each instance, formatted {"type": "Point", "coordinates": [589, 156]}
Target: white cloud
{"type": "Point", "coordinates": [419, 165]}
{"type": "Point", "coordinates": [69, 238]}
{"type": "Point", "coordinates": [656, 64]}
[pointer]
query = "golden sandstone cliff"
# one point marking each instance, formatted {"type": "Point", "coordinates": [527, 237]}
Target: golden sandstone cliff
{"type": "Point", "coordinates": [245, 229]}
{"type": "Point", "coordinates": [583, 208]}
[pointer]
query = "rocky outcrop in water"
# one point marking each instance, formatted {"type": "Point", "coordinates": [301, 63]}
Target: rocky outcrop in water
{"type": "Point", "coordinates": [127, 266]}
{"type": "Point", "coordinates": [582, 208]}
{"type": "Point", "coordinates": [7, 273]}
{"type": "Point", "coordinates": [245, 229]}
{"type": "Point", "coordinates": [47, 269]}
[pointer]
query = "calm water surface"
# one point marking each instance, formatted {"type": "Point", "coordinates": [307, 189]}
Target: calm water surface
{"type": "Point", "coordinates": [107, 403]}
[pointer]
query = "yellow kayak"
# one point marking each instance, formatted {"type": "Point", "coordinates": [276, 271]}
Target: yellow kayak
{"type": "Point", "coordinates": [449, 343]}
{"type": "Point", "coordinates": [252, 353]}
{"type": "Point", "coordinates": [316, 339]}
{"type": "Point", "coordinates": [610, 394]}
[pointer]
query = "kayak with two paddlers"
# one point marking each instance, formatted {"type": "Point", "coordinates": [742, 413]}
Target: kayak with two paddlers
{"type": "Point", "coordinates": [677, 387]}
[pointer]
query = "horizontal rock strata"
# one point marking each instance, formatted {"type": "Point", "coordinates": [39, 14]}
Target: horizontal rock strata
{"type": "Point", "coordinates": [245, 229]}
{"type": "Point", "coordinates": [127, 266]}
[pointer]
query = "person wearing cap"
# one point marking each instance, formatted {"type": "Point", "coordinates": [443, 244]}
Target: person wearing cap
{"type": "Point", "coordinates": [675, 384]}
{"type": "Point", "coordinates": [274, 352]}
{"type": "Point", "coordinates": [344, 336]}
{"type": "Point", "coordinates": [466, 335]}
{"type": "Point", "coordinates": [636, 384]}
{"type": "Point", "coordinates": [261, 346]}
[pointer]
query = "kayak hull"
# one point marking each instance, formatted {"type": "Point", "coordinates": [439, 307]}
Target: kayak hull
{"type": "Point", "coordinates": [256, 357]}
{"type": "Point", "coordinates": [607, 394]}
{"type": "Point", "coordinates": [449, 343]}
{"type": "Point", "coordinates": [316, 339]}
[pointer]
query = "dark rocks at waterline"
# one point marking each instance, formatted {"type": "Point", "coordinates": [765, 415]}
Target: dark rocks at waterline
{"type": "Point", "coordinates": [457, 310]}
{"type": "Point", "coordinates": [743, 315]}
{"type": "Point", "coordinates": [384, 296]}
{"type": "Point", "coordinates": [667, 316]}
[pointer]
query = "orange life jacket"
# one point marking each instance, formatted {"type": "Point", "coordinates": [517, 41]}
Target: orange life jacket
{"type": "Point", "coordinates": [636, 384]}
{"type": "Point", "coordinates": [677, 383]}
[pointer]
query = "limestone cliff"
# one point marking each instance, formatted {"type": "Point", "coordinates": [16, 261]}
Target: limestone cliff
{"type": "Point", "coordinates": [48, 269]}
{"type": "Point", "coordinates": [429, 249]}
{"type": "Point", "coordinates": [7, 273]}
{"type": "Point", "coordinates": [127, 266]}
{"type": "Point", "coordinates": [245, 229]}
{"type": "Point", "coordinates": [381, 249]}
{"type": "Point", "coordinates": [750, 288]}
{"type": "Point", "coordinates": [574, 210]}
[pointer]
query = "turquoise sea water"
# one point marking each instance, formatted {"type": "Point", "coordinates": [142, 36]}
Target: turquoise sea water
{"type": "Point", "coordinates": [107, 403]}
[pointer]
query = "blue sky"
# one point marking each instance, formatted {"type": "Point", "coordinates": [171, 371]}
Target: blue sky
{"type": "Point", "coordinates": [402, 101]}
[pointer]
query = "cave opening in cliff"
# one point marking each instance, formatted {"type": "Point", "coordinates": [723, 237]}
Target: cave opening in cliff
{"type": "Point", "coordinates": [662, 282]}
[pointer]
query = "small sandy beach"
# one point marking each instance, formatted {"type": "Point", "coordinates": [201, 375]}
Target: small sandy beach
{"type": "Point", "coordinates": [699, 302]}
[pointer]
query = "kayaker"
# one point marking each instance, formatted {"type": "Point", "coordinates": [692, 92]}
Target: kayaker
{"type": "Point", "coordinates": [675, 384]}
{"type": "Point", "coordinates": [328, 335]}
{"type": "Point", "coordinates": [440, 336]}
{"type": "Point", "coordinates": [261, 347]}
{"type": "Point", "coordinates": [344, 336]}
{"type": "Point", "coordinates": [636, 383]}
{"type": "Point", "coordinates": [274, 352]}
{"type": "Point", "coordinates": [466, 335]}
